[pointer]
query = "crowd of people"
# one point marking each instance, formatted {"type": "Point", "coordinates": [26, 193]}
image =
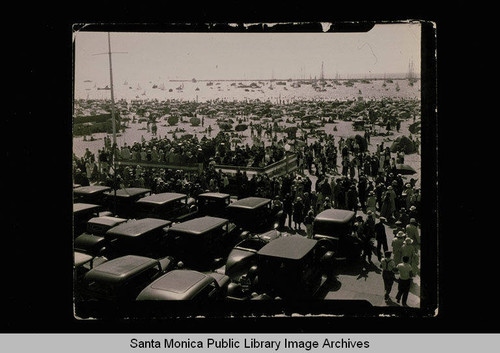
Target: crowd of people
{"type": "Point", "coordinates": [367, 183]}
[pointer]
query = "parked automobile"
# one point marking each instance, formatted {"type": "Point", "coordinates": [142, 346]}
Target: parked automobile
{"type": "Point", "coordinates": [90, 194]}
{"type": "Point", "coordinates": [171, 206]}
{"type": "Point", "coordinates": [203, 242]}
{"type": "Point", "coordinates": [244, 254]}
{"type": "Point", "coordinates": [255, 214]}
{"type": "Point", "coordinates": [122, 201]}
{"type": "Point", "coordinates": [144, 237]}
{"type": "Point", "coordinates": [334, 228]}
{"type": "Point", "coordinates": [100, 225]}
{"type": "Point", "coordinates": [213, 204]}
{"type": "Point", "coordinates": [123, 278]}
{"type": "Point", "coordinates": [292, 267]}
{"type": "Point", "coordinates": [84, 262]}
{"type": "Point", "coordinates": [187, 285]}
{"type": "Point", "coordinates": [82, 213]}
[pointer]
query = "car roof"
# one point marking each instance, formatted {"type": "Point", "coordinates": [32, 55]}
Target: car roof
{"type": "Point", "coordinates": [79, 206]}
{"type": "Point", "coordinates": [90, 189]}
{"type": "Point", "coordinates": [176, 285]}
{"type": "Point", "coordinates": [294, 247]}
{"type": "Point", "coordinates": [162, 198]}
{"type": "Point", "coordinates": [107, 220]}
{"type": "Point", "coordinates": [199, 225]}
{"type": "Point", "coordinates": [120, 269]}
{"type": "Point", "coordinates": [86, 240]}
{"type": "Point", "coordinates": [128, 192]}
{"type": "Point", "coordinates": [335, 216]}
{"type": "Point", "coordinates": [250, 202]}
{"type": "Point", "coordinates": [137, 227]}
{"type": "Point", "coordinates": [81, 258]}
{"type": "Point", "coordinates": [217, 195]}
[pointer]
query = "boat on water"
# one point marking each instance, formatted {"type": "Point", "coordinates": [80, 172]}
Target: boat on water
{"type": "Point", "coordinates": [104, 88]}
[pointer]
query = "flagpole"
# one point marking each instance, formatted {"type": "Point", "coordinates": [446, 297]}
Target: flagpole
{"type": "Point", "coordinates": [112, 91]}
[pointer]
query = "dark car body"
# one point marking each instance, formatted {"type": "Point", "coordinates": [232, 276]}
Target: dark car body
{"type": "Point", "coordinates": [255, 214]}
{"type": "Point", "coordinates": [122, 201]}
{"type": "Point", "coordinates": [84, 262]}
{"type": "Point", "coordinates": [100, 225]}
{"type": "Point", "coordinates": [90, 194]}
{"type": "Point", "coordinates": [186, 285]}
{"type": "Point", "coordinates": [144, 237]}
{"type": "Point", "coordinates": [244, 254]}
{"type": "Point", "coordinates": [334, 228]}
{"type": "Point", "coordinates": [124, 277]}
{"type": "Point", "coordinates": [200, 241]}
{"type": "Point", "coordinates": [213, 204]}
{"type": "Point", "coordinates": [171, 206]}
{"type": "Point", "coordinates": [293, 267]}
{"type": "Point", "coordinates": [82, 213]}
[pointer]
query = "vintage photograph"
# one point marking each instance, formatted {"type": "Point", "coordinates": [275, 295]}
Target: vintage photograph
{"type": "Point", "coordinates": [249, 171]}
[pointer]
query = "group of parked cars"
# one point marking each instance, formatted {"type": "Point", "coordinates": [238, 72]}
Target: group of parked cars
{"type": "Point", "coordinates": [133, 245]}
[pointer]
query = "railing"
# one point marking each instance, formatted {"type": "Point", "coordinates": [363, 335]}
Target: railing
{"type": "Point", "coordinates": [192, 167]}
{"type": "Point", "coordinates": [286, 165]}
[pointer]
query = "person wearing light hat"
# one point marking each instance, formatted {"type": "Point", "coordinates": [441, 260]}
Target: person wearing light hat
{"type": "Point", "coordinates": [397, 244]}
{"type": "Point", "coordinates": [407, 249]}
{"type": "Point", "coordinates": [413, 233]}
{"type": "Point", "coordinates": [371, 202]}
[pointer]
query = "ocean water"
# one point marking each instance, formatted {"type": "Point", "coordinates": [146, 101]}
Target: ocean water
{"type": "Point", "coordinates": [231, 90]}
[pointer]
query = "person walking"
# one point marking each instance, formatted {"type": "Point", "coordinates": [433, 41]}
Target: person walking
{"type": "Point", "coordinates": [381, 237]}
{"type": "Point", "coordinates": [405, 277]}
{"type": "Point", "coordinates": [397, 243]}
{"type": "Point", "coordinates": [371, 202]}
{"type": "Point", "coordinates": [388, 267]}
{"type": "Point", "coordinates": [288, 208]}
{"type": "Point", "coordinates": [408, 250]}
{"type": "Point", "coordinates": [308, 221]}
{"type": "Point", "coordinates": [298, 213]}
{"type": "Point", "coordinates": [413, 233]}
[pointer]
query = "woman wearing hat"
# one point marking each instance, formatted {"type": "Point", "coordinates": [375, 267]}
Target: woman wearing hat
{"type": "Point", "coordinates": [371, 202]}
{"type": "Point", "coordinates": [308, 221]}
{"type": "Point", "coordinates": [413, 233]}
{"type": "Point", "coordinates": [397, 244]}
{"type": "Point", "coordinates": [407, 249]}
{"type": "Point", "coordinates": [298, 215]}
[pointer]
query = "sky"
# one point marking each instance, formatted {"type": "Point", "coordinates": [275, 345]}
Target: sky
{"type": "Point", "coordinates": [386, 49]}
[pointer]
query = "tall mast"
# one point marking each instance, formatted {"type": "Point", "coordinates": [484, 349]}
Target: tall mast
{"type": "Point", "coordinates": [112, 91]}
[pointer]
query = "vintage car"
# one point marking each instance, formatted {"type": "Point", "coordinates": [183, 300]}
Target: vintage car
{"type": "Point", "coordinates": [91, 194]}
{"type": "Point", "coordinates": [244, 254]}
{"type": "Point", "coordinates": [143, 237]}
{"type": "Point", "coordinates": [202, 243]}
{"type": "Point", "coordinates": [187, 284]}
{"type": "Point", "coordinates": [82, 213]}
{"type": "Point", "coordinates": [334, 228]}
{"type": "Point", "coordinates": [121, 279]}
{"type": "Point", "coordinates": [93, 241]}
{"type": "Point", "coordinates": [292, 267]}
{"type": "Point", "coordinates": [122, 201]}
{"type": "Point", "coordinates": [171, 206]}
{"type": "Point", "coordinates": [100, 225]}
{"type": "Point", "coordinates": [255, 214]}
{"type": "Point", "coordinates": [213, 204]}
{"type": "Point", "coordinates": [84, 262]}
